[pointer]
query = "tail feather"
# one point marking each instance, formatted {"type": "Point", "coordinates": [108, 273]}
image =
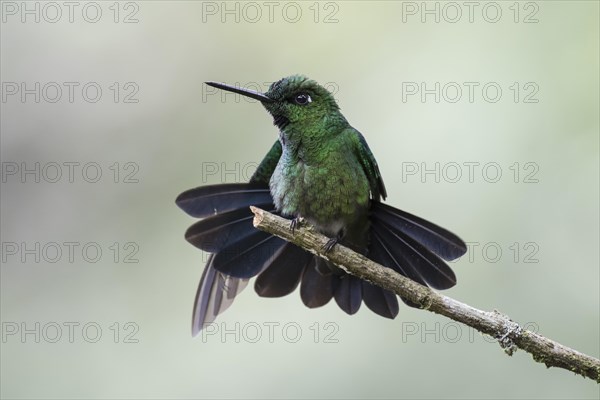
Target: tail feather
{"type": "Point", "coordinates": [316, 289]}
{"type": "Point", "coordinates": [379, 300]}
{"type": "Point", "coordinates": [348, 294]}
{"type": "Point", "coordinates": [283, 274]}
{"type": "Point", "coordinates": [435, 238]}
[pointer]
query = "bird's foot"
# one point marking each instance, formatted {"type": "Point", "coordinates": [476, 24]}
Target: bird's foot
{"type": "Point", "coordinates": [296, 222]}
{"type": "Point", "coordinates": [330, 244]}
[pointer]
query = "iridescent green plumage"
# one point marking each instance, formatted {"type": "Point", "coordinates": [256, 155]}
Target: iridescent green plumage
{"type": "Point", "coordinates": [326, 173]}
{"type": "Point", "coordinates": [322, 170]}
{"type": "Point", "coordinates": [267, 166]}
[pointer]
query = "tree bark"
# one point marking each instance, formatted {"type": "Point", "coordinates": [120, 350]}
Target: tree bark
{"type": "Point", "coordinates": [509, 334]}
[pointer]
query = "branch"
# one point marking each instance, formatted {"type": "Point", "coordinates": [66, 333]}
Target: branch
{"type": "Point", "coordinates": [509, 334]}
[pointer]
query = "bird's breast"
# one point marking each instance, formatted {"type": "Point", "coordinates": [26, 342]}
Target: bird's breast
{"type": "Point", "coordinates": [330, 194]}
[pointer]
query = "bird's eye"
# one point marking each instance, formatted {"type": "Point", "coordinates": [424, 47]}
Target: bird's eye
{"type": "Point", "coordinates": [302, 99]}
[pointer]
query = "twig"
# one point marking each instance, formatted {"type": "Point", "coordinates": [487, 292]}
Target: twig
{"type": "Point", "coordinates": [510, 335]}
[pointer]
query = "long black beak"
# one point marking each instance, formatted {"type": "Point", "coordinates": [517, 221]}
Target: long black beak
{"type": "Point", "coordinates": [245, 92]}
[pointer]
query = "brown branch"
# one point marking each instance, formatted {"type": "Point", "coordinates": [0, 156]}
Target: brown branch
{"type": "Point", "coordinates": [509, 334]}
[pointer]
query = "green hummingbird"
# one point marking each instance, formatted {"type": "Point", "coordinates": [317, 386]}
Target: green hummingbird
{"type": "Point", "coordinates": [320, 170]}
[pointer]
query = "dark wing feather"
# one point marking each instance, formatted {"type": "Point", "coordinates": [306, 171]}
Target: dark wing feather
{"type": "Point", "coordinates": [208, 200]}
{"type": "Point", "coordinates": [217, 290]}
{"type": "Point", "coordinates": [381, 252]}
{"type": "Point", "coordinates": [413, 258]}
{"type": "Point", "coordinates": [437, 239]}
{"type": "Point", "coordinates": [218, 231]}
{"type": "Point", "coordinates": [384, 253]}
{"type": "Point", "coordinates": [215, 294]}
{"type": "Point", "coordinates": [367, 160]}
{"type": "Point", "coordinates": [248, 256]}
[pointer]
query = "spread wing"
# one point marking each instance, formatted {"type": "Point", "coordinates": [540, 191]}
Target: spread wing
{"type": "Point", "coordinates": [225, 211]}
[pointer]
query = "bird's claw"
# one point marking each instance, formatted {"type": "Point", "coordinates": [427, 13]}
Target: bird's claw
{"type": "Point", "coordinates": [329, 245]}
{"type": "Point", "coordinates": [296, 222]}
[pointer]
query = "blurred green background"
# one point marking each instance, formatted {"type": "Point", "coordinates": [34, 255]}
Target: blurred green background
{"type": "Point", "coordinates": [541, 213]}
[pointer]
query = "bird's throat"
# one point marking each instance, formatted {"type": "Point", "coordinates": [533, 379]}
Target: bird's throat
{"type": "Point", "coordinates": [280, 121]}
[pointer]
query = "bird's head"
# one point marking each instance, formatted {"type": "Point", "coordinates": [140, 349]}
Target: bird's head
{"type": "Point", "coordinates": [294, 101]}
{"type": "Point", "coordinates": [299, 100]}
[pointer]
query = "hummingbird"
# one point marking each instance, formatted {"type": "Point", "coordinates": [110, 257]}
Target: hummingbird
{"type": "Point", "coordinates": [319, 171]}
